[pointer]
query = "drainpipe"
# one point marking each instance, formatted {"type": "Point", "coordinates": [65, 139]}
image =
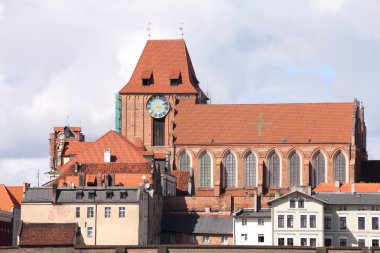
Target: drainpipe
{"type": "Point", "coordinates": [96, 221]}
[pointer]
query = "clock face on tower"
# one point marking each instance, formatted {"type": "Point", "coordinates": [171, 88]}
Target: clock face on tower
{"type": "Point", "coordinates": [157, 106]}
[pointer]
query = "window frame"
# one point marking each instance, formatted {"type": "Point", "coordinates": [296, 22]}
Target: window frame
{"type": "Point", "coordinates": [90, 212]}
{"type": "Point", "coordinates": [107, 212]}
{"type": "Point", "coordinates": [77, 212]}
{"type": "Point", "coordinates": [90, 232]}
{"type": "Point", "coordinates": [121, 211]}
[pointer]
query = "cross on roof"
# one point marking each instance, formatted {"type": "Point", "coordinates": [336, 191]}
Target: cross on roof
{"type": "Point", "coordinates": [260, 124]}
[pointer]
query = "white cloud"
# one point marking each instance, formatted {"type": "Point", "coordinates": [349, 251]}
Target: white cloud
{"type": "Point", "coordinates": [73, 57]}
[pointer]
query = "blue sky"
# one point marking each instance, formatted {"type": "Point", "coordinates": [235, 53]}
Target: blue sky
{"type": "Point", "coordinates": [61, 58]}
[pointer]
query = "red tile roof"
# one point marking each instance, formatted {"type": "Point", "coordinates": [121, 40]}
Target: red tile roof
{"type": "Point", "coordinates": [263, 123]}
{"type": "Point", "coordinates": [74, 129]}
{"type": "Point", "coordinates": [347, 187]}
{"type": "Point", "coordinates": [165, 59]}
{"type": "Point", "coordinates": [122, 151]}
{"type": "Point", "coordinates": [10, 197]}
{"type": "Point", "coordinates": [48, 234]}
{"type": "Point", "coordinates": [74, 147]}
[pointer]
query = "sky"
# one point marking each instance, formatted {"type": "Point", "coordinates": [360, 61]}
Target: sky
{"type": "Point", "coordinates": [63, 61]}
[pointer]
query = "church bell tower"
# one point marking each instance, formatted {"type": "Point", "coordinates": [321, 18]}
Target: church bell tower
{"type": "Point", "coordinates": [146, 105]}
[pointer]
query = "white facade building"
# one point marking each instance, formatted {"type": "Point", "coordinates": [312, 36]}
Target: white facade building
{"type": "Point", "coordinates": [252, 227]}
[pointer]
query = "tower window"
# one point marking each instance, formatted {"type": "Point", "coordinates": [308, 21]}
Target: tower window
{"type": "Point", "coordinates": [147, 77]}
{"type": "Point", "coordinates": [175, 77]}
{"type": "Point", "coordinates": [159, 132]}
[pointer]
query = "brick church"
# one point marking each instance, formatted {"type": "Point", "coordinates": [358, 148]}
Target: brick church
{"type": "Point", "coordinates": [224, 156]}
{"type": "Point", "coordinates": [232, 149]}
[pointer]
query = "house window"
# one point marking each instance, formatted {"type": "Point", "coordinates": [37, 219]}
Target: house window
{"type": "Point", "coordinates": [303, 241]}
{"type": "Point", "coordinates": [91, 194]}
{"type": "Point", "coordinates": [244, 237]}
{"type": "Point", "coordinates": [159, 132]}
{"type": "Point", "coordinates": [244, 222]}
{"type": "Point", "coordinates": [77, 212]}
{"type": "Point", "coordinates": [361, 223]}
{"type": "Point", "coordinates": [224, 239]}
{"type": "Point", "coordinates": [342, 242]}
{"type": "Point", "coordinates": [184, 162]}
{"type": "Point", "coordinates": [375, 242]}
{"type": "Point", "coordinates": [328, 242]}
{"type": "Point", "coordinates": [109, 194]}
{"type": "Point", "coordinates": [79, 195]}
{"type": "Point", "coordinates": [281, 221]}
{"type": "Point", "coordinates": [375, 223]}
{"type": "Point", "coordinates": [274, 170]}
{"type": "Point", "coordinates": [121, 212]}
{"type": "Point", "coordinates": [260, 238]}
{"type": "Point", "coordinates": [107, 212]}
{"type": "Point", "coordinates": [281, 241]}
{"type": "Point", "coordinates": [327, 222]}
{"type": "Point", "coordinates": [250, 170]}
{"type": "Point", "coordinates": [230, 170]}
{"type": "Point", "coordinates": [145, 82]}
{"type": "Point", "coordinates": [301, 203]}
{"type": "Point", "coordinates": [205, 170]}
{"type": "Point", "coordinates": [340, 168]}
{"type": "Point", "coordinates": [361, 242]}
{"type": "Point", "coordinates": [342, 223]}
{"type": "Point", "coordinates": [303, 221]}
{"type": "Point", "coordinates": [192, 238]}
{"type": "Point", "coordinates": [260, 222]}
{"type": "Point", "coordinates": [123, 195]}
{"type": "Point", "coordinates": [172, 238]}
{"type": "Point", "coordinates": [292, 203]}
{"type": "Point", "coordinates": [289, 241]}
{"type": "Point", "coordinates": [318, 169]}
{"type": "Point", "coordinates": [313, 221]}
{"type": "Point", "coordinates": [90, 212]}
{"type": "Point", "coordinates": [294, 163]}
{"type": "Point", "coordinates": [90, 231]}
{"type": "Point", "coordinates": [205, 239]}
{"type": "Point", "coordinates": [289, 221]}
{"type": "Point", "coordinates": [313, 242]}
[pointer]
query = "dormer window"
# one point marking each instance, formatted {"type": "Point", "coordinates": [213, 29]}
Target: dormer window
{"type": "Point", "coordinates": [292, 203]}
{"type": "Point", "coordinates": [79, 195]}
{"type": "Point", "coordinates": [109, 194]}
{"type": "Point", "coordinates": [147, 77]}
{"type": "Point", "coordinates": [123, 195]}
{"type": "Point", "coordinates": [175, 77]}
{"type": "Point", "coordinates": [91, 194]}
{"type": "Point", "coordinates": [301, 203]}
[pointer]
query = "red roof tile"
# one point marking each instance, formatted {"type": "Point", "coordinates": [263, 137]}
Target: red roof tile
{"type": "Point", "coordinates": [263, 123]}
{"type": "Point", "coordinates": [163, 57]}
{"type": "Point", "coordinates": [347, 187]}
{"type": "Point", "coordinates": [74, 147]}
{"type": "Point", "coordinates": [10, 197]}
{"type": "Point", "coordinates": [48, 234]}
{"type": "Point", "coordinates": [122, 151]}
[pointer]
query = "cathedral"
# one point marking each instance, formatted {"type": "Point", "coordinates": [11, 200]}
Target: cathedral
{"type": "Point", "coordinates": [233, 149]}
{"type": "Point", "coordinates": [216, 158]}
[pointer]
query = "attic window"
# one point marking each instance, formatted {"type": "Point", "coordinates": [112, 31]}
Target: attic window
{"type": "Point", "coordinates": [109, 194]}
{"type": "Point", "coordinates": [147, 77]}
{"type": "Point", "coordinates": [91, 194]}
{"type": "Point", "coordinates": [79, 195]}
{"type": "Point", "coordinates": [123, 195]}
{"type": "Point", "coordinates": [175, 77]}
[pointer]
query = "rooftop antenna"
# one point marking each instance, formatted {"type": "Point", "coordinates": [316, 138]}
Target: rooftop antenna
{"type": "Point", "coordinates": [67, 120]}
{"type": "Point", "coordinates": [181, 29]}
{"type": "Point", "coordinates": [148, 29]}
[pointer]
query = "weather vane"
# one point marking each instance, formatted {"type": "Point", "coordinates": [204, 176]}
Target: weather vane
{"type": "Point", "coordinates": [148, 29]}
{"type": "Point", "coordinates": [181, 29]}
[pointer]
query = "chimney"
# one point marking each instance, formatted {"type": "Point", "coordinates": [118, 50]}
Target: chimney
{"type": "Point", "coordinates": [353, 187]}
{"type": "Point", "coordinates": [99, 179]}
{"type": "Point", "coordinates": [107, 155]}
{"type": "Point", "coordinates": [54, 194]}
{"type": "Point", "coordinates": [277, 194]}
{"type": "Point", "coordinates": [207, 209]}
{"type": "Point", "coordinates": [309, 190]}
{"type": "Point", "coordinates": [337, 184]}
{"type": "Point", "coordinates": [76, 167]}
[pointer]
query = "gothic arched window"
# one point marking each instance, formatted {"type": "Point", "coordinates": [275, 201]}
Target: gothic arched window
{"type": "Point", "coordinates": [274, 170]}
{"type": "Point", "coordinates": [184, 161]}
{"type": "Point", "coordinates": [294, 169]}
{"type": "Point", "coordinates": [205, 170]}
{"type": "Point", "coordinates": [318, 169]}
{"type": "Point", "coordinates": [340, 168]}
{"type": "Point", "coordinates": [230, 169]}
{"type": "Point", "coordinates": [250, 170]}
